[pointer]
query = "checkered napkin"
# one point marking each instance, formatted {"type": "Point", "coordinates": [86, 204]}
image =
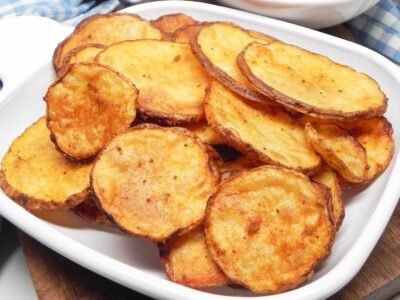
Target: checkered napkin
{"type": "Point", "coordinates": [379, 28]}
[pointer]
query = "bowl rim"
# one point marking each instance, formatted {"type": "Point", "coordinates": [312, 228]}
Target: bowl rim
{"type": "Point", "coordinates": [303, 2]}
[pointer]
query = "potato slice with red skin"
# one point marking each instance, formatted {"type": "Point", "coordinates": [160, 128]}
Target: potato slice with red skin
{"type": "Point", "coordinates": [168, 24]}
{"type": "Point", "coordinates": [330, 179]}
{"type": "Point", "coordinates": [106, 30]}
{"type": "Point", "coordinates": [234, 167]}
{"type": "Point", "coordinates": [90, 212]}
{"type": "Point", "coordinates": [206, 133]}
{"type": "Point", "coordinates": [217, 45]}
{"type": "Point", "coordinates": [183, 34]}
{"type": "Point", "coordinates": [311, 83]}
{"type": "Point", "coordinates": [87, 107]}
{"type": "Point", "coordinates": [340, 150]}
{"type": "Point", "coordinates": [187, 261]}
{"type": "Point", "coordinates": [154, 181]}
{"type": "Point", "coordinates": [37, 176]}
{"type": "Point", "coordinates": [268, 228]}
{"type": "Point", "coordinates": [258, 131]}
{"type": "Point", "coordinates": [170, 79]}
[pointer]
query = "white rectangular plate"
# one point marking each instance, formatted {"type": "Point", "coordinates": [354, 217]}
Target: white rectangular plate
{"type": "Point", "coordinates": [132, 261]}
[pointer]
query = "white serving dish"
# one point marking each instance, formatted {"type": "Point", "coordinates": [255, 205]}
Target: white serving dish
{"type": "Point", "coordinates": [309, 13]}
{"type": "Point", "coordinates": [25, 68]}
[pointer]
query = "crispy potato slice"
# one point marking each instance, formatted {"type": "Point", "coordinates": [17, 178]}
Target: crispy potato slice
{"type": "Point", "coordinates": [83, 53]}
{"type": "Point", "coordinates": [311, 83]}
{"type": "Point", "coordinates": [340, 150]}
{"type": "Point", "coordinates": [170, 79]}
{"type": "Point", "coordinates": [217, 45]}
{"type": "Point", "coordinates": [168, 24]}
{"type": "Point", "coordinates": [205, 133]}
{"type": "Point", "coordinates": [234, 167]}
{"type": "Point", "coordinates": [36, 175]}
{"type": "Point", "coordinates": [259, 132]}
{"type": "Point", "coordinates": [268, 228]}
{"type": "Point", "coordinates": [90, 212]}
{"type": "Point", "coordinates": [86, 107]}
{"type": "Point", "coordinates": [106, 30]}
{"type": "Point", "coordinates": [329, 178]}
{"type": "Point", "coordinates": [187, 261]}
{"type": "Point", "coordinates": [154, 181]}
{"type": "Point", "coordinates": [183, 34]}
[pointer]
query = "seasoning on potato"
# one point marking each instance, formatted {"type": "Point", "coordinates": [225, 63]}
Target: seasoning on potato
{"type": "Point", "coordinates": [260, 132]}
{"type": "Point", "coordinates": [36, 175]}
{"type": "Point", "coordinates": [154, 181]}
{"type": "Point", "coordinates": [269, 228]}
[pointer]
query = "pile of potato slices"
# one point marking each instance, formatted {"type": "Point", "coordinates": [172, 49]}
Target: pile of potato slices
{"type": "Point", "coordinates": [133, 132]}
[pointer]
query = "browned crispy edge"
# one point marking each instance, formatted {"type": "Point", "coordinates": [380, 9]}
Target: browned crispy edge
{"type": "Point", "coordinates": [339, 220]}
{"type": "Point", "coordinates": [169, 119]}
{"type": "Point", "coordinates": [72, 53]}
{"type": "Point", "coordinates": [285, 286]}
{"type": "Point", "coordinates": [245, 148]}
{"type": "Point", "coordinates": [168, 36]}
{"type": "Point", "coordinates": [218, 73]}
{"type": "Point", "coordinates": [212, 167]}
{"type": "Point", "coordinates": [57, 52]}
{"type": "Point", "coordinates": [277, 96]}
{"type": "Point", "coordinates": [199, 25]}
{"type": "Point", "coordinates": [31, 203]}
{"type": "Point", "coordinates": [360, 148]}
{"type": "Point", "coordinates": [88, 211]}
{"type": "Point", "coordinates": [164, 252]}
{"type": "Point", "coordinates": [53, 136]}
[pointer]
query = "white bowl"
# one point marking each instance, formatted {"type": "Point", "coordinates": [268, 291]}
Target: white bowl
{"type": "Point", "coordinates": [309, 13]}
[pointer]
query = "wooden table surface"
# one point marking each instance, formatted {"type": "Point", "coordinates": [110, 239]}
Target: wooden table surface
{"type": "Point", "coordinates": [57, 278]}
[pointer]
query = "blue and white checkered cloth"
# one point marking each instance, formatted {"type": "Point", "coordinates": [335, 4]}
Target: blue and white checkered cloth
{"type": "Point", "coordinates": [378, 28]}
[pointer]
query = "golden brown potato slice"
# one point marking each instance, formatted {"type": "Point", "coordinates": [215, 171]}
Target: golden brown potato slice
{"type": "Point", "coordinates": [259, 132]}
{"type": "Point", "coordinates": [340, 150]}
{"type": "Point", "coordinates": [170, 79]}
{"type": "Point", "coordinates": [89, 211]}
{"type": "Point", "coordinates": [86, 107]}
{"type": "Point", "coordinates": [234, 167]}
{"type": "Point", "coordinates": [187, 261]}
{"type": "Point", "coordinates": [154, 181]}
{"type": "Point", "coordinates": [106, 30]}
{"type": "Point", "coordinates": [329, 178]}
{"type": "Point", "coordinates": [268, 228]}
{"type": "Point", "coordinates": [183, 34]}
{"type": "Point", "coordinates": [376, 136]}
{"type": "Point", "coordinates": [217, 45]}
{"type": "Point", "coordinates": [36, 175]}
{"type": "Point", "coordinates": [83, 53]}
{"type": "Point", "coordinates": [205, 133]}
{"type": "Point", "coordinates": [311, 83]}
{"type": "Point", "coordinates": [168, 24]}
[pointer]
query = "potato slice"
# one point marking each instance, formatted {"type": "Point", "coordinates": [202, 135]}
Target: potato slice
{"type": "Point", "coordinates": [183, 34]}
{"type": "Point", "coordinates": [168, 24]}
{"type": "Point", "coordinates": [83, 53]}
{"type": "Point", "coordinates": [170, 79]}
{"type": "Point", "coordinates": [259, 132]}
{"type": "Point", "coordinates": [217, 45]}
{"type": "Point", "coordinates": [311, 83]}
{"type": "Point", "coordinates": [86, 107]}
{"type": "Point", "coordinates": [106, 30]}
{"type": "Point", "coordinates": [154, 181]}
{"type": "Point", "coordinates": [205, 133]}
{"type": "Point", "coordinates": [234, 167]}
{"type": "Point", "coordinates": [37, 176]}
{"type": "Point", "coordinates": [329, 178]}
{"type": "Point", "coordinates": [268, 228]}
{"type": "Point", "coordinates": [187, 261]}
{"type": "Point", "coordinates": [90, 212]}
{"type": "Point", "coordinates": [340, 150]}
